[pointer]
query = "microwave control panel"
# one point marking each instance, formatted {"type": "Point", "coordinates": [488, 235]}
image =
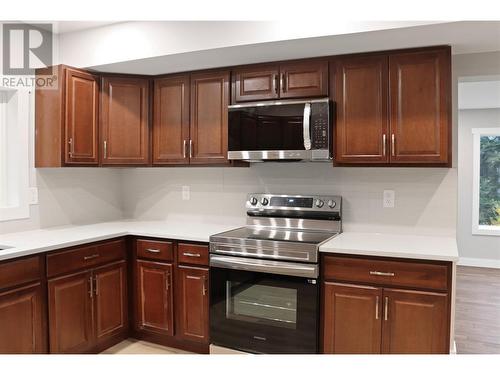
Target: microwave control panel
{"type": "Point", "coordinates": [320, 125]}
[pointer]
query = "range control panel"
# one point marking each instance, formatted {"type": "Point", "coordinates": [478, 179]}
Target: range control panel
{"type": "Point", "coordinates": [311, 203]}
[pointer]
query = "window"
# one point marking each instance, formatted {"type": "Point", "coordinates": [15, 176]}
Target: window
{"type": "Point", "coordinates": [486, 181]}
{"type": "Point", "coordinates": [15, 115]}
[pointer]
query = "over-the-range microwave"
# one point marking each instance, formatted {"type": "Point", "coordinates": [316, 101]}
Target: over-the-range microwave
{"type": "Point", "coordinates": [281, 130]}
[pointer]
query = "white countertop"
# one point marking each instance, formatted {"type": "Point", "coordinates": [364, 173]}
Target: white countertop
{"type": "Point", "coordinates": [42, 240]}
{"type": "Point", "coordinates": [394, 245]}
{"type": "Point", "coordinates": [196, 229]}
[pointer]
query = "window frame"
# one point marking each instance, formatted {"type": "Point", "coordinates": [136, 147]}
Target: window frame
{"type": "Point", "coordinates": [20, 156]}
{"type": "Point", "coordinates": [477, 229]}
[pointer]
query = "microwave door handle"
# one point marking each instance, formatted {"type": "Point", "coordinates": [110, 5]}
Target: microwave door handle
{"type": "Point", "coordinates": [307, 126]}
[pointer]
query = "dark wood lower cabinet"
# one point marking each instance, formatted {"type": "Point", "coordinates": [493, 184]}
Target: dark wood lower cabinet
{"type": "Point", "coordinates": [111, 302]}
{"type": "Point", "coordinates": [415, 322]}
{"type": "Point", "coordinates": [353, 321]}
{"type": "Point", "coordinates": [70, 313]}
{"type": "Point", "coordinates": [192, 302]}
{"type": "Point", "coordinates": [154, 305]}
{"type": "Point", "coordinates": [21, 320]}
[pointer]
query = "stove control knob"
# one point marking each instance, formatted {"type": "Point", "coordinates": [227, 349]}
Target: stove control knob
{"type": "Point", "coordinates": [332, 203]}
{"type": "Point", "coordinates": [264, 201]}
{"type": "Point", "coordinates": [253, 201]}
{"type": "Point", "coordinates": [319, 203]}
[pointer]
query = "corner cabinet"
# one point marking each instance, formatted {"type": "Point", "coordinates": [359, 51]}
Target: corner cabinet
{"type": "Point", "coordinates": [209, 116]}
{"type": "Point", "coordinates": [125, 121]}
{"type": "Point", "coordinates": [389, 306]}
{"type": "Point", "coordinates": [66, 119]}
{"type": "Point", "coordinates": [394, 108]}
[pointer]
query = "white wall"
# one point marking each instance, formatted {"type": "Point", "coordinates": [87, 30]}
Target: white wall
{"type": "Point", "coordinates": [72, 196]}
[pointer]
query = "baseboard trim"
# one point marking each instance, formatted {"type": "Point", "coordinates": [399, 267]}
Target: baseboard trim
{"type": "Point", "coordinates": [479, 262]}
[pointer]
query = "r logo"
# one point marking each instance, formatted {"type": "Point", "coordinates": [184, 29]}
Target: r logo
{"type": "Point", "coordinates": [26, 47]}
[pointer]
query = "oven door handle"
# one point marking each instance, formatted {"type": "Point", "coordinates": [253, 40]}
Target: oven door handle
{"type": "Point", "coordinates": [265, 266]}
{"type": "Point", "coordinates": [307, 126]}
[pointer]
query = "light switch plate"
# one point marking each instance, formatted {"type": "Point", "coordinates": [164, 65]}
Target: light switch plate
{"type": "Point", "coordinates": [33, 195]}
{"type": "Point", "coordinates": [389, 198]}
{"type": "Point", "coordinates": [186, 194]}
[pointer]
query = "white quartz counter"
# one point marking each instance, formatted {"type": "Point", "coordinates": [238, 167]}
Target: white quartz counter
{"type": "Point", "coordinates": [393, 245]}
{"type": "Point", "coordinates": [42, 240]}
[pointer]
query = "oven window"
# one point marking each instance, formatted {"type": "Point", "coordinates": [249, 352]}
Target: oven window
{"type": "Point", "coordinates": [263, 304]}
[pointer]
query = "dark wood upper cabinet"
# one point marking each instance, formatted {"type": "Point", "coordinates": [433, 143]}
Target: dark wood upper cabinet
{"type": "Point", "coordinates": [154, 305]}
{"type": "Point", "coordinates": [209, 116]}
{"type": "Point", "coordinates": [66, 119]}
{"type": "Point", "coordinates": [111, 300]}
{"type": "Point", "coordinates": [420, 90]}
{"type": "Point", "coordinates": [171, 120]}
{"type": "Point", "coordinates": [304, 79]}
{"type": "Point", "coordinates": [255, 83]}
{"type": "Point", "coordinates": [362, 127]}
{"type": "Point", "coordinates": [125, 121]}
{"type": "Point", "coordinates": [415, 322]}
{"type": "Point", "coordinates": [70, 313]}
{"type": "Point", "coordinates": [21, 320]}
{"type": "Point", "coordinates": [192, 303]}
{"type": "Point", "coordinates": [352, 319]}
{"type": "Point", "coordinates": [81, 121]}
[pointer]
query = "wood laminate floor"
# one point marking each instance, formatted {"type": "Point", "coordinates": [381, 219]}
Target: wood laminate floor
{"type": "Point", "coordinates": [477, 316]}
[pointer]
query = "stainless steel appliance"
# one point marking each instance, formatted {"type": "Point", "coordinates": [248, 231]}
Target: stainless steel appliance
{"type": "Point", "coordinates": [281, 130]}
{"type": "Point", "coordinates": [264, 290]}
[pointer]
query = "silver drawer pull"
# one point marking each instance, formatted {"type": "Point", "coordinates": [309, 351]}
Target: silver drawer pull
{"type": "Point", "coordinates": [89, 257]}
{"type": "Point", "coordinates": [154, 251]}
{"type": "Point", "coordinates": [192, 255]}
{"type": "Point", "coordinates": [378, 273]}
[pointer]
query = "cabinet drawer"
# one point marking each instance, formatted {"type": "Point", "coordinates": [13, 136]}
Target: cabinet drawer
{"type": "Point", "coordinates": [192, 254]}
{"type": "Point", "coordinates": [386, 272]}
{"type": "Point", "coordinates": [85, 256]}
{"type": "Point", "coordinates": [156, 250]}
{"type": "Point", "coordinates": [20, 271]}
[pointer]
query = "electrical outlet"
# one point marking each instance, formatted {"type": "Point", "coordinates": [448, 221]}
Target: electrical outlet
{"type": "Point", "coordinates": [186, 193]}
{"type": "Point", "coordinates": [389, 198]}
{"type": "Point", "coordinates": [33, 195]}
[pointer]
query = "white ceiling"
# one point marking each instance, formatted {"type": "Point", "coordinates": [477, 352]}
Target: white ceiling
{"type": "Point", "coordinates": [62, 27]}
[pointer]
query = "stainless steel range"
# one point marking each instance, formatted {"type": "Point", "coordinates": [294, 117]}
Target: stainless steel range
{"type": "Point", "coordinates": [264, 290]}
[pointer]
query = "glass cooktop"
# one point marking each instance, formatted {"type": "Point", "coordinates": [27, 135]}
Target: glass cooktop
{"type": "Point", "coordinates": [266, 234]}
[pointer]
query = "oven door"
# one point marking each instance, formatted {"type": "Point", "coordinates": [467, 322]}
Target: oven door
{"type": "Point", "coordinates": [263, 312]}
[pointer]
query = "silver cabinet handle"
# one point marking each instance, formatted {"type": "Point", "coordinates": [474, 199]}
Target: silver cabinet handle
{"type": "Point", "coordinates": [283, 82]}
{"type": "Point", "coordinates": [71, 147]}
{"type": "Point", "coordinates": [275, 83]}
{"type": "Point", "coordinates": [184, 149]}
{"type": "Point", "coordinates": [393, 145]}
{"type": "Point", "coordinates": [96, 285]}
{"type": "Point", "coordinates": [154, 251]}
{"type": "Point", "coordinates": [378, 273]}
{"type": "Point", "coordinates": [376, 308]}
{"type": "Point", "coordinates": [204, 286]}
{"type": "Point", "coordinates": [105, 149]}
{"type": "Point", "coordinates": [91, 287]}
{"type": "Point", "coordinates": [192, 255]}
{"type": "Point", "coordinates": [167, 281]}
{"type": "Point", "coordinates": [190, 148]}
{"type": "Point", "coordinates": [89, 257]}
{"type": "Point", "coordinates": [386, 304]}
{"type": "Point", "coordinates": [384, 145]}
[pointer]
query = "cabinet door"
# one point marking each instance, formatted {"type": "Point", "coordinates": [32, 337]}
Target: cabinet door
{"type": "Point", "coordinates": [257, 83]}
{"type": "Point", "coordinates": [70, 313]}
{"type": "Point", "coordinates": [362, 118]}
{"type": "Point", "coordinates": [171, 120]}
{"type": "Point", "coordinates": [304, 79]}
{"type": "Point", "coordinates": [192, 300]}
{"type": "Point", "coordinates": [420, 106]}
{"type": "Point", "coordinates": [352, 319]}
{"type": "Point", "coordinates": [208, 130]}
{"type": "Point", "coordinates": [111, 308]}
{"type": "Point", "coordinates": [21, 325]}
{"type": "Point", "coordinates": [125, 121]}
{"type": "Point", "coordinates": [415, 322]}
{"type": "Point", "coordinates": [82, 97]}
{"type": "Point", "coordinates": [154, 297]}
